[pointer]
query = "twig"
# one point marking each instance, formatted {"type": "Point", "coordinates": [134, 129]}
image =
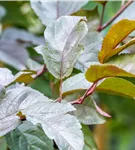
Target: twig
{"type": "Point", "coordinates": [115, 16]}
{"type": "Point", "coordinates": [41, 72]}
{"type": "Point", "coordinates": [60, 98]}
{"type": "Point", "coordinates": [102, 17]}
{"type": "Point", "coordinates": [86, 94]}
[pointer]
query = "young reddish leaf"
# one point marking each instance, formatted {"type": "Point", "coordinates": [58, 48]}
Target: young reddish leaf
{"type": "Point", "coordinates": [97, 72]}
{"type": "Point", "coordinates": [100, 110]}
{"type": "Point", "coordinates": [115, 36]}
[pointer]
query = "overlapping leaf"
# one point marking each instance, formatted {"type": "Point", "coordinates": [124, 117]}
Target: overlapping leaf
{"type": "Point", "coordinates": [112, 85]}
{"type": "Point", "coordinates": [98, 72]}
{"type": "Point", "coordinates": [2, 12]}
{"type": "Point", "coordinates": [28, 137]}
{"type": "Point", "coordinates": [75, 83]}
{"type": "Point", "coordinates": [114, 37]}
{"type": "Point", "coordinates": [8, 123]}
{"type": "Point", "coordinates": [63, 128]}
{"type": "Point", "coordinates": [128, 13]}
{"type": "Point", "coordinates": [86, 112]}
{"type": "Point", "coordinates": [92, 45]}
{"type": "Point", "coordinates": [63, 46]}
{"type": "Point", "coordinates": [16, 34]}
{"type": "Point", "coordinates": [14, 54]}
{"type": "Point", "coordinates": [34, 65]}
{"type": "Point", "coordinates": [49, 11]}
{"type": "Point", "coordinates": [124, 61]}
{"type": "Point", "coordinates": [6, 76]}
{"type": "Point", "coordinates": [117, 86]}
{"type": "Point", "coordinates": [88, 139]}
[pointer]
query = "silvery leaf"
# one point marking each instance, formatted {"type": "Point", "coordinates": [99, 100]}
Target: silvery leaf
{"type": "Point", "coordinates": [48, 10]}
{"type": "Point", "coordinates": [86, 113]}
{"type": "Point", "coordinates": [6, 76]}
{"type": "Point", "coordinates": [12, 53]}
{"type": "Point", "coordinates": [75, 83]}
{"type": "Point", "coordinates": [65, 130]}
{"type": "Point", "coordinates": [63, 46]}
{"type": "Point", "coordinates": [22, 35]}
{"type": "Point", "coordinates": [92, 45]}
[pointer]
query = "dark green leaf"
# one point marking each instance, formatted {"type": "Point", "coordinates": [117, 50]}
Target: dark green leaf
{"type": "Point", "coordinates": [28, 137]}
{"type": "Point", "coordinates": [88, 139]}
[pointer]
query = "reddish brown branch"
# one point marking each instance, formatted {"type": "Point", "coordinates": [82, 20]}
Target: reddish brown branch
{"type": "Point", "coordinates": [60, 89]}
{"type": "Point", "coordinates": [102, 16]}
{"type": "Point", "coordinates": [100, 28]}
{"type": "Point", "coordinates": [87, 93]}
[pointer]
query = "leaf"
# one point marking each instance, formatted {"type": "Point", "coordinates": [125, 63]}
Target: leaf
{"type": "Point", "coordinates": [93, 19]}
{"type": "Point", "coordinates": [21, 35]}
{"type": "Point", "coordinates": [63, 46]}
{"type": "Point", "coordinates": [49, 11]}
{"type": "Point", "coordinates": [86, 113]}
{"type": "Point", "coordinates": [113, 85]}
{"type": "Point", "coordinates": [63, 128]}
{"type": "Point", "coordinates": [98, 72]}
{"type": "Point", "coordinates": [28, 137]}
{"type": "Point", "coordinates": [117, 86]}
{"type": "Point", "coordinates": [24, 76]}
{"type": "Point", "coordinates": [88, 139]}
{"type": "Point", "coordinates": [124, 61]}
{"type": "Point", "coordinates": [75, 83]}
{"type": "Point", "coordinates": [6, 76]}
{"type": "Point", "coordinates": [55, 123]}
{"type": "Point", "coordinates": [131, 48]}
{"type": "Point", "coordinates": [114, 37]}
{"type": "Point", "coordinates": [34, 65]}
{"type": "Point", "coordinates": [90, 6]}
{"type": "Point", "coordinates": [101, 1]}
{"type": "Point", "coordinates": [2, 12]}
{"type": "Point", "coordinates": [128, 13]}
{"type": "Point", "coordinates": [119, 49]}
{"type": "Point", "coordinates": [19, 99]}
{"type": "Point", "coordinates": [12, 53]}
{"type": "Point", "coordinates": [8, 123]}
{"type": "Point", "coordinates": [91, 43]}
{"type": "Point", "coordinates": [3, 144]}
